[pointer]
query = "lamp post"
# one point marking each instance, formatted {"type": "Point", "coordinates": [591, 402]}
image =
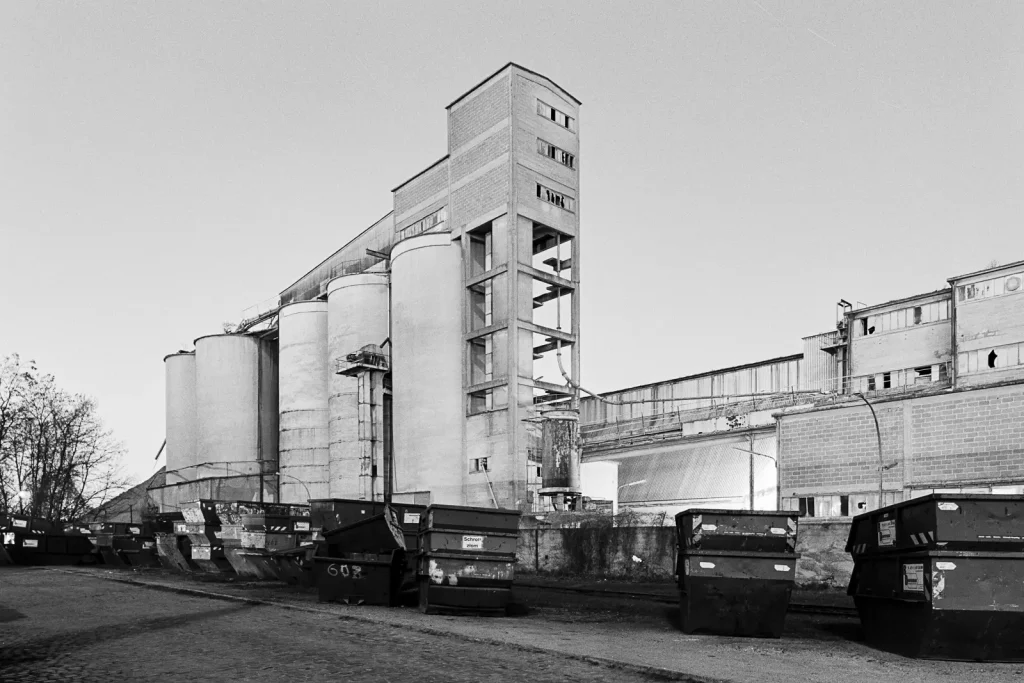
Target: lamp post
{"type": "Point", "coordinates": [615, 503]}
{"type": "Point", "coordinates": [878, 434]}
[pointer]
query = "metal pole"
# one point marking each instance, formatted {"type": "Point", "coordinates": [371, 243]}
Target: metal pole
{"type": "Point", "coordinates": [878, 434]}
{"type": "Point", "coordinates": [751, 471]}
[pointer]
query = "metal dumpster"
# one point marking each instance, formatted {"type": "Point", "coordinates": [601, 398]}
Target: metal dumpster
{"type": "Point", "coordinates": [360, 578]}
{"type": "Point", "coordinates": [942, 521]}
{"type": "Point", "coordinates": [256, 563]}
{"type": "Point", "coordinates": [378, 534]}
{"type": "Point", "coordinates": [295, 566]}
{"type": "Point", "coordinates": [24, 548]}
{"type": "Point", "coordinates": [172, 554]}
{"type": "Point", "coordinates": [327, 514]}
{"type": "Point", "coordinates": [762, 531]}
{"type": "Point", "coordinates": [466, 559]}
{"type": "Point", "coordinates": [939, 577]}
{"type": "Point", "coordinates": [735, 593]}
{"type": "Point", "coordinates": [736, 570]}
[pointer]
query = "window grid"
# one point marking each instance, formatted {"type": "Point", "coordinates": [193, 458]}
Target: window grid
{"type": "Point", "coordinates": [557, 153]}
{"type": "Point", "coordinates": [557, 198]}
{"type": "Point", "coordinates": [999, 286]}
{"type": "Point", "coordinates": [561, 118]}
{"type": "Point", "coordinates": [925, 314]}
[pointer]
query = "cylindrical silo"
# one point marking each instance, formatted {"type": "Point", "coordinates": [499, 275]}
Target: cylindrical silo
{"type": "Point", "coordinates": [357, 315]}
{"type": "Point", "coordinates": [180, 410]}
{"type": "Point", "coordinates": [236, 407]}
{"type": "Point", "coordinates": [302, 404]}
{"type": "Point", "coordinates": [427, 350]}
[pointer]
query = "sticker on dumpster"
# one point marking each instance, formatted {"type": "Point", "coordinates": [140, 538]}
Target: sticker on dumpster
{"type": "Point", "coordinates": [945, 566]}
{"type": "Point", "coordinates": [948, 507]}
{"type": "Point", "coordinates": [472, 542]}
{"type": "Point", "coordinates": [411, 518]}
{"type": "Point", "coordinates": [708, 527]}
{"type": "Point", "coordinates": [886, 531]}
{"type": "Point", "coordinates": [8, 539]}
{"type": "Point", "coordinates": [20, 523]}
{"type": "Point", "coordinates": [302, 526]}
{"type": "Point", "coordinates": [913, 578]}
{"type": "Point", "coordinates": [707, 565]}
{"type": "Point", "coordinates": [782, 567]}
{"type": "Point", "coordinates": [135, 530]}
{"type": "Point", "coordinates": [778, 532]}
{"type": "Point", "coordinates": [30, 543]}
{"type": "Point", "coordinates": [148, 545]}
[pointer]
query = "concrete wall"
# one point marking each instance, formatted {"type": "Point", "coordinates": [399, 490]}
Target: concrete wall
{"type": "Point", "coordinates": [987, 324]}
{"type": "Point", "coordinates": [603, 551]}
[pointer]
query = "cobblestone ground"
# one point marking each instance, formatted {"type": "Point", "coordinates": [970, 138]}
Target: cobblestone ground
{"type": "Point", "coordinates": [71, 629]}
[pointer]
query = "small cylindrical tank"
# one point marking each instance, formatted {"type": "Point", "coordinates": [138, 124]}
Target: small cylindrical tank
{"type": "Point", "coordinates": [180, 412]}
{"type": "Point", "coordinates": [357, 315]}
{"type": "Point", "coordinates": [236, 405]}
{"type": "Point", "coordinates": [560, 453]}
{"type": "Point", "coordinates": [302, 405]}
{"type": "Point", "coordinates": [429, 405]}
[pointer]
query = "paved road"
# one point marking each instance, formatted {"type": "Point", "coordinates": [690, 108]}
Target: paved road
{"type": "Point", "coordinates": [75, 628]}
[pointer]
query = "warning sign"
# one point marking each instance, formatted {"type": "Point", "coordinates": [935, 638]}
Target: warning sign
{"type": "Point", "coordinates": [886, 532]}
{"type": "Point", "coordinates": [913, 578]}
{"type": "Point", "coordinates": [472, 542]}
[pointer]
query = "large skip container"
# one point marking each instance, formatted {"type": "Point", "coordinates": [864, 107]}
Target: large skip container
{"type": "Point", "coordinates": [736, 571]}
{"type": "Point", "coordinates": [942, 577]}
{"type": "Point", "coordinates": [360, 578]}
{"type": "Point", "coordinates": [466, 559]}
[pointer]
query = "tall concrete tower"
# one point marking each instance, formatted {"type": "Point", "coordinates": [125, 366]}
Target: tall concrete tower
{"type": "Point", "coordinates": [507, 193]}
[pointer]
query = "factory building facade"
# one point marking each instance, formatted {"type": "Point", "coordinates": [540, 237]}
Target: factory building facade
{"type": "Point", "coordinates": [406, 362]}
{"type": "Point", "coordinates": [941, 373]}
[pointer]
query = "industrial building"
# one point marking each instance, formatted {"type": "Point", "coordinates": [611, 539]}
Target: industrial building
{"type": "Point", "coordinates": [942, 372]}
{"type": "Point", "coordinates": [407, 361]}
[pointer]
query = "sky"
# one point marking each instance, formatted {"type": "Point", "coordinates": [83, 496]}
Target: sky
{"type": "Point", "coordinates": [743, 166]}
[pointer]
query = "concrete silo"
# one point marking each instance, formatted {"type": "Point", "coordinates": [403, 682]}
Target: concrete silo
{"type": "Point", "coordinates": [357, 316]}
{"type": "Point", "coordinates": [302, 389]}
{"type": "Point", "coordinates": [236, 406]}
{"type": "Point", "coordinates": [180, 409]}
{"type": "Point", "coordinates": [427, 351]}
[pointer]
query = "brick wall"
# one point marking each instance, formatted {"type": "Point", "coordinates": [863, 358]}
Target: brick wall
{"type": "Point", "coordinates": [836, 450]}
{"type": "Point", "coordinates": [473, 116]}
{"type": "Point", "coordinates": [941, 441]}
{"type": "Point", "coordinates": [977, 438]}
{"type": "Point", "coordinates": [487, 192]}
{"type": "Point", "coordinates": [420, 189]}
{"type": "Point", "coordinates": [488, 149]}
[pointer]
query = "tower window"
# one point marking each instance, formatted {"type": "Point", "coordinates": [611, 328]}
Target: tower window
{"type": "Point", "coordinates": [559, 117]}
{"type": "Point", "coordinates": [557, 198]}
{"type": "Point", "coordinates": [480, 465]}
{"type": "Point", "coordinates": [556, 153]}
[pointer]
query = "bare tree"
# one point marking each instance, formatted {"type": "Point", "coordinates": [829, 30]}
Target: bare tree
{"type": "Point", "coordinates": [56, 458]}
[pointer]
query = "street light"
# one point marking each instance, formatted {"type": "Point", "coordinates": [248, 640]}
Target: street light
{"type": "Point", "coordinates": [615, 503]}
{"type": "Point", "coordinates": [878, 433]}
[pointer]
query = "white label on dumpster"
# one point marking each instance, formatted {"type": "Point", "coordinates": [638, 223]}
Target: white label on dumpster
{"type": "Point", "coordinates": [472, 542]}
{"type": "Point", "coordinates": [886, 531]}
{"type": "Point", "coordinates": [707, 565]}
{"type": "Point", "coordinates": [945, 566]}
{"type": "Point", "coordinates": [8, 539]}
{"type": "Point", "coordinates": [782, 567]}
{"type": "Point", "coordinates": [948, 507]}
{"type": "Point", "coordinates": [411, 518]}
{"type": "Point", "coordinates": [30, 543]}
{"type": "Point", "coordinates": [20, 523]}
{"type": "Point", "coordinates": [778, 532]}
{"type": "Point", "coordinates": [148, 545]}
{"type": "Point", "coordinates": [913, 577]}
{"type": "Point", "coordinates": [135, 530]}
{"type": "Point", "coordinates": [708, 527]}
{"type": "Point", "coordinates": [302, 526]}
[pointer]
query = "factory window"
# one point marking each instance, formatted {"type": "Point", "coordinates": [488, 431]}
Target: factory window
{"type": "Point", "coordinates": [556, 153]}
{"type": "Point", "coordinates": [481, 304]}
{"type": "Point", "coordinates": [807, 506]}
{"type": "Point", "coordinates": [480, 465]}
{"type": "Point", "coordinates": [871, 383]}
{"type": "Point", "coordinates": [426, 223]}
{"type": "Point", "coordinates": [559, 117]}
{"type": "Point", "coordinates": [488, 399]}
{"type": "Point", "coordinates": [480, 250]}
{"type": "Point", "coordinates": [998, 286]}
{"type": "Point", "coordinates": [998, 358]}
{"type": "Point", "coordinates": [992, 356]}
{"type": "Point", "coordinates": [481, 354]}
{"type": "Point", "coordinates": [844, 506]}
{"type": "Point", "coordinates": [886, 380]}
{"type": "Point", "coordinates": [557, 198]}
{"type": "Point", "coordinates": [924, 372]}
{"type": "Point", "coordinates": [917, 315]}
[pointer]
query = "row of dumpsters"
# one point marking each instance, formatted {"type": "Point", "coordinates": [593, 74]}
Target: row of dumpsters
{"type": "Point", "coordinates": [940, 577]}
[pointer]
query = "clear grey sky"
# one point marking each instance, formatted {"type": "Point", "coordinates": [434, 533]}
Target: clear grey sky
{"type": "Point", "coordinates": [164, 165]}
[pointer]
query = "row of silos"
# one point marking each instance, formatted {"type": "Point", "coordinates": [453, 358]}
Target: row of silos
{"type": "Point", "coordinates": [221, 409]}
{"type": "Point", "coordinates": [219, 406]}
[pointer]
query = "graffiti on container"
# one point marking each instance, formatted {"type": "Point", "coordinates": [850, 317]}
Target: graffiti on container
{"type": "Point", "coordinates": [345, 571]}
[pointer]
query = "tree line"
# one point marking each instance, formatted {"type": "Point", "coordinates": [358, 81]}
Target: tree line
{"type": "Point", "coordinates": [57, 460]}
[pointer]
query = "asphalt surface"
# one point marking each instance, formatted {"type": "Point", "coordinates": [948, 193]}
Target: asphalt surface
{"type": "Point", "coordinates": [73, 628]}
